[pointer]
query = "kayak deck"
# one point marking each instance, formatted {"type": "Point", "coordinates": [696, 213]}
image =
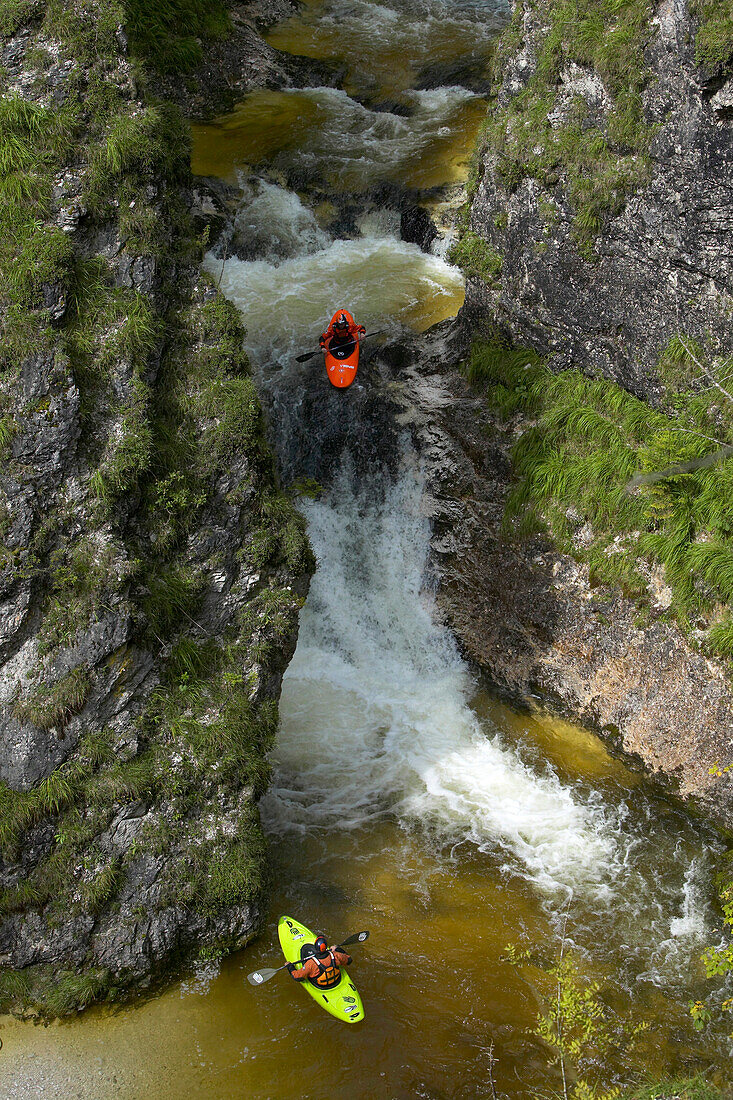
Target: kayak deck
{"type": "Point", "coordinates": [342, 363]}
{"type": "Point", "coordinates": [343, 1000]}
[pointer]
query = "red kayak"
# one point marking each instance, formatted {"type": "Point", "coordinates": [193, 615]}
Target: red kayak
{"type": "Point", "coordinates": [342, 361]}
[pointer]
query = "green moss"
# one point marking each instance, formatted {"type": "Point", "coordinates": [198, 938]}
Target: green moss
{"type": "Point", "coordinates": [476, 257]}
{"type": "Point", "coordinates": [600, 164]}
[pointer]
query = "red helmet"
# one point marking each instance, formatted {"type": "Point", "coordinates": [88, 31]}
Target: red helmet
{"type": "Point", "coordinates": [321, 945]}
{"type": "Point", "coordinates": [342, 322]}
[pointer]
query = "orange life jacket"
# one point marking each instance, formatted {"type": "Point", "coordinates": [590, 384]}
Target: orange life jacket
{"type": "Point", "coordinates": [328, 974]}
{"type": "Point", "coordinates": [352, 334]}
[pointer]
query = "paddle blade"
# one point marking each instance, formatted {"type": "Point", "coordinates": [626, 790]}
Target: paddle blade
{"type": "Point", "coordinates": [358, 937]}
{"type": "Point", "coordinates": [259, 977]}
{"type": "Point", "coordinates": [304, 358]}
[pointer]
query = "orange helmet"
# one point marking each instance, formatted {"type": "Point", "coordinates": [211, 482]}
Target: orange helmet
{"type": "Point", "coordinates": [342, 322]}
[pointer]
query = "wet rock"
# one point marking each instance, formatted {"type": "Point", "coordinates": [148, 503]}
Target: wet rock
{"type": "Point", "coordinates": [528, 617]}
{"type": "Point", "coordinates": [417, 227]}
{"type": "Point", "coordinates": [82, 548]}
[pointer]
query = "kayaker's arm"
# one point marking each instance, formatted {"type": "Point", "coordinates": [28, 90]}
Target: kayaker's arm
{"type": "Point", "coordinates": [299, 974]}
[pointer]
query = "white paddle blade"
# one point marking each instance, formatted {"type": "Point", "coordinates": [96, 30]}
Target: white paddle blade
{"type": "Point", "coordinates": [258, 977]}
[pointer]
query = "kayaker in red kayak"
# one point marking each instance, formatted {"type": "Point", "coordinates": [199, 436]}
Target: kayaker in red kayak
{"type": "Point", "coordinates": [342, 330]}
{"type": "Point", "coordinates": [323, 968]}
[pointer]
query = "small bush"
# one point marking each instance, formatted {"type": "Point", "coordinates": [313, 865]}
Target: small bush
{"type": "Point", "coordinates": [714, 41]}
{"type": "Point", "coordinates": [167, 33]}
{"type": "Point", "coordinates": [173, 596]}
{"type": "Point", "coordinates": [70, 991]}
{"type": "Point", "coordinates": [138, 145]}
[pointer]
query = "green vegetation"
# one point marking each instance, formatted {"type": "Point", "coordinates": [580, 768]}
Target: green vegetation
{"type": "Point", "coordinates": [168, 34]}
{"type": "Point", "coordinates": [168, 410]}
{"type": "Point", "coordinates": [475, 257]}
{"type": "Point", "coordinates": [592, 1048]}
{"type": "Point", "coordinates": [54, 993]}
{"type": "Point", "coordinates": [714, 41]}
{"type": "Point", "coordinates": [586, 440]}
{"type": "Point", "coordinates": [694, 1088]}
{"type": "Point", "coordinates": [33, 255]}
{"type": "Point", "coordinates": [619, 485]}
{"type": "Point", "coordinates": [54, 705]}
{"type": "Point", "coordinates": [600, 161]}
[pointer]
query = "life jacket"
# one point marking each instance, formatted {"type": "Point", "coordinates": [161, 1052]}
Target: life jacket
{"type": "Point", "coordinates": [332, 334]}
{"type": "Point", "coordinates": [328, 974]}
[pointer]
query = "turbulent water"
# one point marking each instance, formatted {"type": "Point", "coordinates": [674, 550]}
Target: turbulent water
{"type": "Point", "coordinates": [404, 798]}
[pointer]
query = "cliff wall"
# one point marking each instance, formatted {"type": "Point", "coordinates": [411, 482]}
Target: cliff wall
{"type": "Point", "coordinates": [598, 257]}
{"type": "Point", "coordinates": [150, 568]}
{"type": "Point", "coordinates": [605, 185]}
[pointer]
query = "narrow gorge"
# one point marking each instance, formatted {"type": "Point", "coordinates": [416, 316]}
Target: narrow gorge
{"type": "Point", "coordinates": [502, 740]}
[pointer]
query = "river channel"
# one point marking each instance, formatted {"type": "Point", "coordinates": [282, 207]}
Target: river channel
{"type": "Point", "coordinates": [405, 799]}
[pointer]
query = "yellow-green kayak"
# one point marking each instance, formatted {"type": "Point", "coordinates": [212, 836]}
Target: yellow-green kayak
{"type": "Point", "coordinates": [343, 1000]}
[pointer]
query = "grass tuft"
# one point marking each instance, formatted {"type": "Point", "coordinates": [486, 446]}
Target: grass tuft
{"type": "Point", "coordinates": [476, 258]}
{"type": "Point", "coordinates": [56, 704]}
{"type": "Point", "coordinates": [586, 442]}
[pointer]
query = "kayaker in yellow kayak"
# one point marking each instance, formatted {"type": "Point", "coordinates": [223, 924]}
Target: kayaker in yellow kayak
{"type": "Point", "coordinates": [323, 968]}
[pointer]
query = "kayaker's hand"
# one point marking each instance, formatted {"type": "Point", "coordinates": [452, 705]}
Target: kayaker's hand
{"type": "Point", "coordinates": [291, 968]}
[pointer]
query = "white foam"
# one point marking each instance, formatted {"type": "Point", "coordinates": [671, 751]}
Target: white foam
{"type": "Point", "coordinates": [380, 279]}
{"type": "Point", "coordinates": [353, 147]}
{"type": "Point", "coordinates": [374, 712]}
{"type": "Point", "coordinates": [272, 224]}
{"type": "Point", "coordinates": [416, 32]}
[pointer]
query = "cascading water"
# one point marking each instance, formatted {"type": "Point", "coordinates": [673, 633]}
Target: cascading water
{"type": "Point", "coordinates": [403, 798]}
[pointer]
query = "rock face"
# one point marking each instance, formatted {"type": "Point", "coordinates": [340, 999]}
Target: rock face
{"type": "Point", "coordinates": [528, 616]}
{"type": "Point", "coordinates": [150, 569]}
{"type": "Point", "coordinates": [661, 262]}
{"type": "Point", "coordinates": [601, 225]}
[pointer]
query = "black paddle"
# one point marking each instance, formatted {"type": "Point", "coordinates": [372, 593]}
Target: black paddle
{"type": "Point", "coordinates": [259, 977]}
{"type": "Point", "coordinates": [309, 354]}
